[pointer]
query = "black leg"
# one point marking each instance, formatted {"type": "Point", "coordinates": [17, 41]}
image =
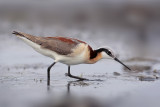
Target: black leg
{"type": "Point", "coordinates": [72, 76]}
{"type": "Point", "coordinates": [48, 73]}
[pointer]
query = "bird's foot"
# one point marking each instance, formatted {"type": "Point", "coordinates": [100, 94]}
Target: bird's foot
{"type": "Point", "coordinates": [76, 77]}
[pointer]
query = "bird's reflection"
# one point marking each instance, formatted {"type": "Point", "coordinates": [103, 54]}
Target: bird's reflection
{"type": "Point", "coordinates": [69, 99]}
{"type": "Point", "coordinates": [68, 88]}
{"type": "Point", "coordinates": [78, 82]}
{"type": "Point", "coordinates": [49, 88]}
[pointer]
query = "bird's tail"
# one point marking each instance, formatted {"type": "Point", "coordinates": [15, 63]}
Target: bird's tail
{"type": "Point", "coordinates": [19, 33]}
{"type": "Point", "coordinates": [29, 37]}
{"type": "Point", "coordinates": [24, 35]}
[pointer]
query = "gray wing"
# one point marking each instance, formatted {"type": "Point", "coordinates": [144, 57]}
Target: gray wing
{"type": "Point", "coordinates": [58, 46]}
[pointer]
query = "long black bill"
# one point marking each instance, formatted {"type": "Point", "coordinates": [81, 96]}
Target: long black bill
{"type": "Point", "coordinates": [121, 63]}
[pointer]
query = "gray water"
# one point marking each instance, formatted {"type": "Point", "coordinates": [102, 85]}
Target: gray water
{"type": "Point", "coordinates": [23, 71]}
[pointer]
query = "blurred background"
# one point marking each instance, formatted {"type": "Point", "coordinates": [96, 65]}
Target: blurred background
{"type": "Point", "coordinates": [131, 28]}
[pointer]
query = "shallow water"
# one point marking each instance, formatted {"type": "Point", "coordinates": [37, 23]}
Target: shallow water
{"type": "Point", "coordinates": [23, 81]}
{"type": "Point", "coordinates": [23, 72]}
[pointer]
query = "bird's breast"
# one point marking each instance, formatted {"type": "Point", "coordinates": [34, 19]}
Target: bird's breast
{"type": "Point", "coordinates": [79, 55]}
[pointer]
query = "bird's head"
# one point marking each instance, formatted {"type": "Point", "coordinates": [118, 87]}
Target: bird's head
{"type": "Point", "coordinates": [108, 54]}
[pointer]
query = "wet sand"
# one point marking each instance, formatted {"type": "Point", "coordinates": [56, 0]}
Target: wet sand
{"type": "Point", "coordinates": [23, 74]}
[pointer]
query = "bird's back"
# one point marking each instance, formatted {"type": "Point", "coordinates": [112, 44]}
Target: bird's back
{"type": "Point", "coordinates": [60, 45]}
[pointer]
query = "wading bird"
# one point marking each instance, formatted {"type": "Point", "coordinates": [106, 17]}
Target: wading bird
{"type": "Point", "coordinates": [66, 50]}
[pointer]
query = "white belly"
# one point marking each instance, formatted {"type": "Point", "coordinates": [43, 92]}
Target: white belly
{"type": "Point", "coordinates": [69, 60]}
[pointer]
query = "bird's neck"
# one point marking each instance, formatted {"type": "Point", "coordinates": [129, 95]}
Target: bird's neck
{"type": "Point", "coordinates": [95, 55]}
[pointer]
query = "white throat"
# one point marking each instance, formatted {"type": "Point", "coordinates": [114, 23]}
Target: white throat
{"type": "Point", "coordinates": [105, 55]}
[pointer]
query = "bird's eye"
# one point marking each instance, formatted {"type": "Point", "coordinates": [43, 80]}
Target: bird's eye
{"type": "Point", "coordinates": [109, 53]}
